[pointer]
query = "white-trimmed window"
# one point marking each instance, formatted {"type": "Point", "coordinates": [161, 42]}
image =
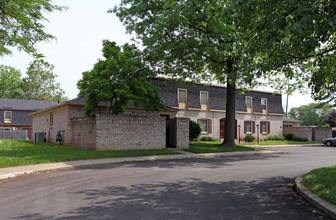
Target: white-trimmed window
{"type": "Point", "coordinates": [248, 101]}
{"type": "Point", "coordinates": [263, 103]}
{"type": "Point", "coordinates": [265, 127]}
{"type": "Point", "coordinates": [204, 97]}
{"type": "Point", "coordinates": [205, 125]}
{"type": "Point", "coordinates": [8, 116]}
{"type": "Point", "coordinates": [182, 96]}
{"type": "Point", "coordinates": [51, 120]}
{"type": "Point", "coordinates": [248, 127]}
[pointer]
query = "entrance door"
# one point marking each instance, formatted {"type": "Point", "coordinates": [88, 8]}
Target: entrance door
{"type": "Point", "coordinates": [167, 130]}
{"type": "Point", "coordinates": [222, 128]}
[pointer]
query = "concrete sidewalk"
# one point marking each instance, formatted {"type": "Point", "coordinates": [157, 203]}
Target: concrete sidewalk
{"type": "Point", "coordinates": [12, 172]}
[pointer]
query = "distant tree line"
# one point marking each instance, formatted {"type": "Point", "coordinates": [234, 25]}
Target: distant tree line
{"type": "Point", "coordinates": [38, 83]}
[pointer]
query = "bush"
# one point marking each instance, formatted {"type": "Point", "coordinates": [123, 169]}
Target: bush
{"type": "Point", "coordinates": [276, 138]}
{"type": "Point", "coordinates": [194, 130]}
{"type": "Point", "coordinates": [297, 138]}
{"type": "Point", "coordinates": [249, 138]}
{"type": "Point", "coordinates": [265, 139]}
{"type": "Point", "coordinates": [207, 139]}
{"type": "Point", "coordinates": [288, 137]}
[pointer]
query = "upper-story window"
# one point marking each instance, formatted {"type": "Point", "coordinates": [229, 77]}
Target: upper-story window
{"type": "Point", "coordinates": [182, 97]}
{"type": "Point", "coordinates": [8, 116]}
{"type": "Point", "coordinates": [51, 120]}
{"type": "Point", "coordinates": [263, 103]}
{"type": "Point", "coordinates": [204, 96]}
{"type": "Point", "coordinates": [248, 101]}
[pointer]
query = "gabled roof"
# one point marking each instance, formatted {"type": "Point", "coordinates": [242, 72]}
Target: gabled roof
{"type": "Point", "coordinates": [25, 104]}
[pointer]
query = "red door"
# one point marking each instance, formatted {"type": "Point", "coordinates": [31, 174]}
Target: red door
{"type": "Point", "coordinates": [222, 128]}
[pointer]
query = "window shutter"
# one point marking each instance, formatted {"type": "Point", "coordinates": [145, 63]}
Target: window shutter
{"type": "Point", "coordinates": [261, 127]}
{"type": "Point", "coordinates": [198, 121]}
{"type": "Point", "coordinates": [253, 124]}
{"type": "Point", "coordinates": [244, 127]}
{"type": "Point", "coordinates": [269, 127]}
{"type": "Point", "coordinates": [209, 126]}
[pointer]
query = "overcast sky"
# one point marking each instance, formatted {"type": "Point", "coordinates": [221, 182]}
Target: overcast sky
{"type": "Point", "coordinates": [80, 31]}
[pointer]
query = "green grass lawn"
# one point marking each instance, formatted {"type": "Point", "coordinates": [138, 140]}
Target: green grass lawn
{"type": "Point", "coordinates": [213, 147]}
{"type": "Point", "coordinates": [282, 142]}
{"type": "Point", "coordinates": [322, 182]}
{"type": "Point", "coordinates": [24, 152]}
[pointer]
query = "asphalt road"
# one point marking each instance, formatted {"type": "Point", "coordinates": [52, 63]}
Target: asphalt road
{"type": "Point", "coordinates": [248, 187]}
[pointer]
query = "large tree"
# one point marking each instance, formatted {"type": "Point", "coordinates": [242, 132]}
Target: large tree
{"type": "Point", "coordinates": [311, 114]}
{"type": "Point", "coordinates": [120, 81]}
{"type": "Point", "coordinates": [235, 42]}
{"type": "Point", "coordinates": [41, 82]}
{"type": "Point", "coordinates": [21, 24]}
{"type": "Point", "coordinates": [10, 83]}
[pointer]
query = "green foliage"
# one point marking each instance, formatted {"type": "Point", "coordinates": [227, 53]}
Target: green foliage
{"type": "Point", "coordinates": [326, 125]}
{"type": "Point", "coordinates": [22, 24]}
{"type": "Point", "coordinates": [119, 80]}
{"type": "Point", "coordinates": [289, 43]}
{"type": "Point", "coordinates": [288, 137]}
{"type": "Point", "coordinates": [311, 114]}
{"type": "Point", "coordinates": [39, 82]}
{"type": "Point", "coordinates": [207, 139]}
{"type": "Point", "coordinates": [265, 139]}
{"type": "Point", "coordinates": [330, 120]}
{"type": "Point", "coordinates": [276, 138]}
{"type": "Point", "coordinates": [194, 130]}
{"type": "Point", "coordinates": [297, 138]}
{"type": "Point", "coordinates": [10, 83]}
{"type": "Point", "coordinates": [249, 138]}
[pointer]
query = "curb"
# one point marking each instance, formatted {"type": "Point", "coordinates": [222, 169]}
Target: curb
{"type": "Point", "coordinates": [312, 198]}
{"type": "Point", "coordinates": [13, 172]}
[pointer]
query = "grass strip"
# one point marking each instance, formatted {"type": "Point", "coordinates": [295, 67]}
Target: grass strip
{"type": "Point", "coordinates": [214, 147]}
{"type": "Point", "coordinates": [322, 182]}
{"type": "Point", "coordinates": [25, 152]}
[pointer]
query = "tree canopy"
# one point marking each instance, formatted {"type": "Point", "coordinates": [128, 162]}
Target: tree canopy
{"type": "Point", "coordinates": [21, 24]}
{"type": "Point", "coordinates": [120, 80]}
{"type": "Point", "coordinates": [39, 82]}
{"type": "Point", "coordinates": [311, 114]}
{"type": "Point", "coordinates": [236, 42]}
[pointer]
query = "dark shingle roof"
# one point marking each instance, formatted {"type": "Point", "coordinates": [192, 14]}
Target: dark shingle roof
{"type": "Point", "coordinates": [217, 96]}
{"type": "Point", "coordinates": [25, 104]}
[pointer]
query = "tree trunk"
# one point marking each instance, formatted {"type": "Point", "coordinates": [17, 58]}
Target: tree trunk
{"type": "Point", "coordinates": [230, 115]}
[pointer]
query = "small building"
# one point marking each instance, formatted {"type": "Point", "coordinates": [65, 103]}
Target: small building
{"type": "Point", "coordinates": [14, 113]}
{"type": "Point", "coordinates": [290, 122]}
{"type": "Point", "coordinates": [133, 129]}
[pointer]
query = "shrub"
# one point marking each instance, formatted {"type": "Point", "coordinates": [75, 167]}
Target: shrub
{"type": "Point", "coordinates": [297, 138]}
{"type": "Point", "coordinates": [249, 138]}
{"type": "Point", "coordinates": [288, 137]}
{"type": "Point", "coordinates": [207, 139]}
{"type": "Point", "coordinates": [265, 139]}
{"type": "Point", "coordinates": [276, 138]}
{"type": "Point", "coordinates": [194, 130]}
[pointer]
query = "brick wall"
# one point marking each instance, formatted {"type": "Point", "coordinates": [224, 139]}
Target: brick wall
{"type": "Point", "coordinates": [320, 133]}
{"type": "Point", "coordinates": [83, 133]}
{"type": "Point", "coordinates": [312, 133]}
{"type": "Point", "coordinates": [128, 132]}
{"type": "Point", "coordinates": [182, 132]}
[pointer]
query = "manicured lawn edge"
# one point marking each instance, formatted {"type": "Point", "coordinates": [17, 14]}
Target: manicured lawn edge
{"type": "Point", "coordinates": [265, 143]}
{"type": "Point", "coordinates": [24, 152]}
{"type": "Point", "coordinates": [322, 182]}
{"type": "Point", "coordinates": [215, 147]}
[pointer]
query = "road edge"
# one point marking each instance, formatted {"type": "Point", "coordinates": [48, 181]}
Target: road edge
{"type": "Point", "coordinates": [315, 200]}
